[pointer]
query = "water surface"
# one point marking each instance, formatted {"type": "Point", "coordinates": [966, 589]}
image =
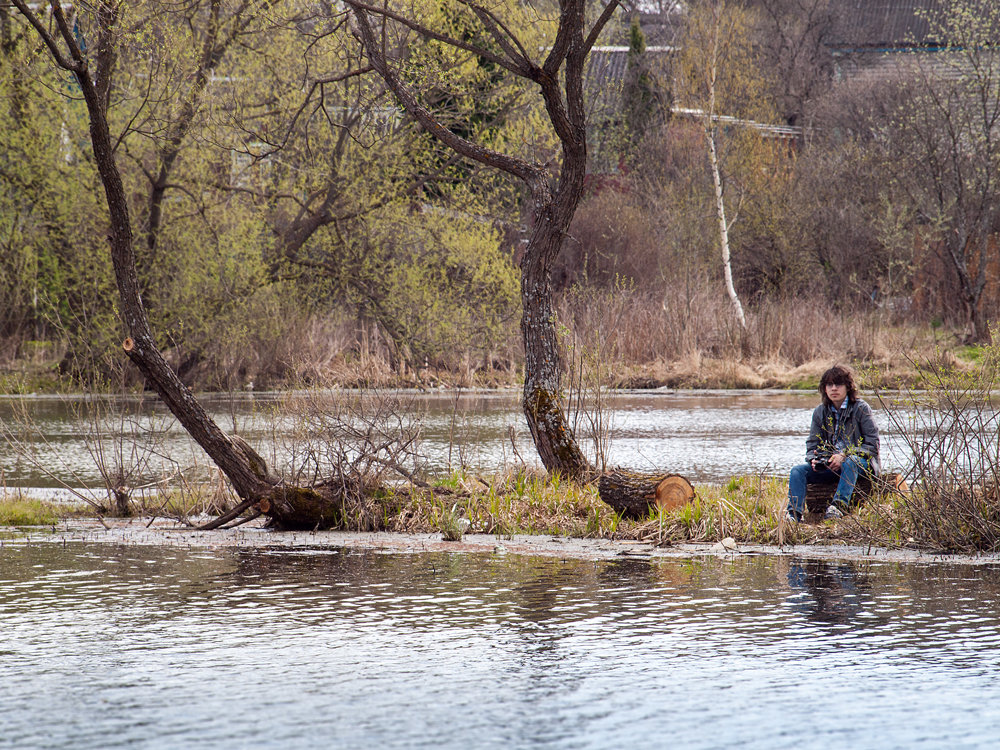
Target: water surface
{"type": "Point", "coordinates": [157, 647]}
{"type": "Point", "coordinates": [708, 436]}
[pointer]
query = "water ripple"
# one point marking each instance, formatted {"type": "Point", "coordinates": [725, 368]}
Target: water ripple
{"type": "Point", "coordinates": [117, 647]}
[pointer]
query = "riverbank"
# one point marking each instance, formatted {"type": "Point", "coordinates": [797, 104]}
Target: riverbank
{"type": "Point", "coordinates": [141, 532]}
{"type": "Point", "coordinates": [896, 357]}
{"type": "Point", "coordinates": [747, 511]}
{"type": "Point", "coordinates": [732, 445]}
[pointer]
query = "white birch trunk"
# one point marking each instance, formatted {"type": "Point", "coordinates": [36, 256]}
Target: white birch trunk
{"type": "Point", "coordinates": [720, 207]}
{"type": "Point", "coordinates": [713, 158]}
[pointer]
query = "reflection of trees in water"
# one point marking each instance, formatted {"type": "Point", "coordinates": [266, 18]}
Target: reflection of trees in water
{"type": "Point", "coordinates": [546, 648]}
{"type": "Point", "coordinates": [516, 591]}
{"type": "Point", "coordinates": [519, 590]}
{"type": "Point", "coordinates": [538, 603]}
{"type": "Point", "coordinates": [835, 590]}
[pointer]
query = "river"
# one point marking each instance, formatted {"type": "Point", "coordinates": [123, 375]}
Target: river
{"type": "Point", "coordinates": [115, 646]}
{"type": "Point", "coordinates": [707, 436]}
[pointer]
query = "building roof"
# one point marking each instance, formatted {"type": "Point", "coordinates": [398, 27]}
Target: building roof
{"type": "Point", "coordinates": [605, 74]}
{"type": "Point", "coordinates": [882, 25]}
{"type": "Point", "coordinates": [857, 25]}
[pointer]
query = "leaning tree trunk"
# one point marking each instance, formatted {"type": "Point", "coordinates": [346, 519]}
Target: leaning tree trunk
{"type": "Point", "coordinates": [241, 464]}
{"type": "Point", "coordinates": [287, 506]}
{"type": "Point", "coordinates": [140, 346]}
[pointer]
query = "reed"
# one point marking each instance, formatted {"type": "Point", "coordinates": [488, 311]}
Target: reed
{"type": "Point", "coordinates": [682, 337]}
{"type": "Point", "coordinates": [951, 430]}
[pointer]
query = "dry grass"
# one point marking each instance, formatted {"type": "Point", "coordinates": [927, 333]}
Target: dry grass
{"type": "Point", "coordinates": [186, 500]}
{"type": "Point", "coordinates": [748, 509]}
{"type": "Point", "coordinates": [512, 503]}
{"type": "Point", "coordinates": [956, 521]}
{"type": "Point", "coordinates": [951, 430]}
{"type": "Point", "coordinates": [687, 338]}
{"type": "Point", "coordinates": [683, 337]}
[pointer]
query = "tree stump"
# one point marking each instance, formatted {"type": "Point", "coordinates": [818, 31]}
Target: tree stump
{"type": "Point", "coordinates": [635, 495]}
{"type": "Point", "coordinates": [328, 504]}
{"type": "Point", "coordinates": [818, 496]}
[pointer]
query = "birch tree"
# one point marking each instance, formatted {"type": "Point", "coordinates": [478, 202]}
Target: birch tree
{"type": "Point", "coordinates": [721, 88]}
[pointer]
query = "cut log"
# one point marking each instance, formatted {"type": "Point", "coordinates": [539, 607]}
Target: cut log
{"type": "Point", "coordinates": [818, 496]}
{"type": "Point", "coordinates": [635, 495]}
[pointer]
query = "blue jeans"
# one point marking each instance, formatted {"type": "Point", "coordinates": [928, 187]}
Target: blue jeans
{"type": "Point", "coordinates": [804, 474]}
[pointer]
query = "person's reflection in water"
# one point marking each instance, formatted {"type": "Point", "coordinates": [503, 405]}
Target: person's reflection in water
{"type": "Point", "coordinates": [833, 590]}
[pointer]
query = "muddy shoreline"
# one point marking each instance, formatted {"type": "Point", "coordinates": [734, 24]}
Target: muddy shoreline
{"type": "Point", "coordinates": [141, 532]}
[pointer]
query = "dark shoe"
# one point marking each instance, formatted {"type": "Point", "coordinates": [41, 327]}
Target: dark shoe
{"type": "Point", "coordinates": [792, 517]}
{"type": "Point", "coordinates": [833, 513]}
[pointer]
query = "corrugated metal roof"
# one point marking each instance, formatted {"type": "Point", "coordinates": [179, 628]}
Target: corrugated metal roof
{"type": "Point", "coordinates": [883, 24]}
{"type": "Point", "coordinates": [944, 65]}
{"type": "Point", "coordinates": [604, 77]}
{"type": "Point", "coordinates": [858, 25]}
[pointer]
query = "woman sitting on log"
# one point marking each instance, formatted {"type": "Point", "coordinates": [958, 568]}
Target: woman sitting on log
{"type": "Point", "coordinates": [843, 443]}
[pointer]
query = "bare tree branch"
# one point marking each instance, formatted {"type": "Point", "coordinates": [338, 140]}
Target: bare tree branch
{"type": "Point", "coordinates": [503, 36]}
{"type": "Point", "coordinates": [528, 172]}
{"type": "Point", "coordinates": [47, 38]}
{"type": "Point", "coordinates": [512, 64]}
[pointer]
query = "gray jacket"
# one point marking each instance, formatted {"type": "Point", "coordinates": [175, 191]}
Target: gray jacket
{"type": "Point", "coordinates": [857, 428]}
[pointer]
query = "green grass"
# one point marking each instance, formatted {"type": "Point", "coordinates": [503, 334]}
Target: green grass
{"type": "Point", "coordinates": [24, 378]}
{"type": "Point", "coordinates": [804, 384]}
{"type": "Point", "coordinates": [972, 353]}
{"type": "Point", "coordinates": [15, 511]}
{"type": "Point", "coordinates": [748, 508]}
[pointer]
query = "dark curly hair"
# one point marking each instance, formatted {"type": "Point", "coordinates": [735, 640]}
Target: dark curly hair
{"type": "Point", "coordinates": [838, 375]}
